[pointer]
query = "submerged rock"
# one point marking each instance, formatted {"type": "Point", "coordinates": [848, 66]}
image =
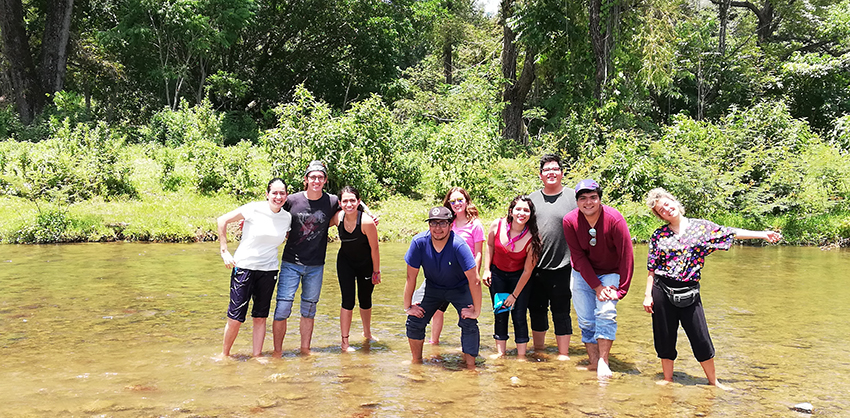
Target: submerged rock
{"type": "Point", "coordinates": [268, 401]}
{"type": "Point", "coordinates": [804, 407]}
{"type": "Point", "coordinates": [98, 406]}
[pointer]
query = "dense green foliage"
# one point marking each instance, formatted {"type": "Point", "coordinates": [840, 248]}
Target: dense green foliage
{"type": "Point", "coordinates": [202, 101]}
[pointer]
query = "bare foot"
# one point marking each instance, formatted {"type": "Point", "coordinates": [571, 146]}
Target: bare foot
{"type": "Point", "coordinates": [305, 351]}
{"type": "Point", "coordinates": [602, 370]}
{"type": "Point", "coordinates": [277, 354]}
{"type": "Point", "coordinates": [261, 360]}
{"type": "Point", "coordinates": [370, 338]}
{"type": "Point", "coordinates": [719, 385]}
{"type": "Point", "coordinates": [220, 357]}
{"type": "Point", "coordinates": [563, 357]}
{"type": "Point", "coordinates": [663, 382]}
{"type": "Point", "coordinates": [496, 356]}
{"type": "Point", "coordinates": [586, 366]}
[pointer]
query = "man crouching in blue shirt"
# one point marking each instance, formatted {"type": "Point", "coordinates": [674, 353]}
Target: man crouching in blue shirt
{"type": "Point", "coordinates": [451, 276]}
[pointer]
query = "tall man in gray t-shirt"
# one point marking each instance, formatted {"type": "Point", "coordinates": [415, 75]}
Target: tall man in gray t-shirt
{"type": "Point", "coordinates": [550, 282]}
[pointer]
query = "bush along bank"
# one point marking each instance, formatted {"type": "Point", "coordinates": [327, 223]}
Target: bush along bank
{"type": "Point", "coordinates": [756, 168]}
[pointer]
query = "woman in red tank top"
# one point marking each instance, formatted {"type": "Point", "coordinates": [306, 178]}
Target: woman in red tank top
{"type": "Point", "coordinates": [513, 246]}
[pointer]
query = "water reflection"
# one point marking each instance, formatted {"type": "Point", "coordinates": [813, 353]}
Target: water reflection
{"type": "Point", "coordinates": [129, 330]}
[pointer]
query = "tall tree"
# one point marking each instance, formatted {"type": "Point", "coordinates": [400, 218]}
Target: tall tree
{"type": "Point", "coordinates": [515, 89]}
{"type": "Point", "coordinates": [604, 20]}
{"type": "Point", "coordinates": [30, 84]}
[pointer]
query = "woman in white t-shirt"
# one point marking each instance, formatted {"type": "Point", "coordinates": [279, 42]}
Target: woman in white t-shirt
{"type": "Point", "coordinates": [255, 263]}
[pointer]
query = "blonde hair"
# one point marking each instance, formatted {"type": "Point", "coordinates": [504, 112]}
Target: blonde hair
{"type": "Point", "coordinates": [657, 194]}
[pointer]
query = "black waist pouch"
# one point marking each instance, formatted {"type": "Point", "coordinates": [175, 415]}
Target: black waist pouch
{"type": "Point", "coordinates": [680, 297]}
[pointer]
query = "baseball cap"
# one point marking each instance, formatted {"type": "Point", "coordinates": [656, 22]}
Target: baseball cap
{"type": "Point", "coordinates": [588, 185]}
{"type": "Point", "coordinates": [316, 165]}
{"type": "Point", "coordinates": [440, 212]}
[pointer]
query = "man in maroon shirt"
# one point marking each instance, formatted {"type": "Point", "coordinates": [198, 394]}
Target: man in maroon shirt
{"type": "Point", "coordinates": [603, 263]}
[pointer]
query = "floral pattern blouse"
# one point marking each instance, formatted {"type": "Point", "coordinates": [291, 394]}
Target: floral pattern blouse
{"type": "Point", "coordinates": [682, 257]}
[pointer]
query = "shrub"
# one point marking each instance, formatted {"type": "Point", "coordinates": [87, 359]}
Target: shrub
{"type": "Point", "coordinates": [78, 162]}
{"type": "Point", "coordinates": [185, 125]}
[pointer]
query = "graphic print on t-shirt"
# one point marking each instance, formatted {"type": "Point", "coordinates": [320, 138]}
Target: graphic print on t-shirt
{"type": "Point", "coordinates": [311, 225]}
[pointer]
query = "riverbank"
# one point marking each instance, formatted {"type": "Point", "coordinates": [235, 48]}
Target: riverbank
{"type": "Point", "coordinates": [190, 217]}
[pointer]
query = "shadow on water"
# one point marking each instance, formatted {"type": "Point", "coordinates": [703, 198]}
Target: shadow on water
{"type": "Point", "coordinates": [130, 330]}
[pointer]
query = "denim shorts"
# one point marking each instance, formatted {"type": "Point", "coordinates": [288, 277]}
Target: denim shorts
{"type": "Point", "coordinates": [596, 319]}
{"type": "Point", "coordinates": [291, 275]}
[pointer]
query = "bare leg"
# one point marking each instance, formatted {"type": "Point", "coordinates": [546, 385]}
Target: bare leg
{"type": "Point", "coordinates": [259, 336]}
{"type": "Point", "coordinates": [563, 346]}
{"type": "Point", "coordinates": [470, 361]}
{"type": "Point", "coordinates": [501, 348]}
{"type": "Point", "coordinates": [416, 350]}
{"type": "Point", "coordinates": [592, 355]}
{"type": "Point", "coordinates": [708, 367]}
{"type": "Point", "coordinates": [437, 326]}
{"type": "Point", "coordinates": [231, 330]}
{"type": "Point", "coordinates": [520, 351]}
{"type": "Point", "coordinates": [603, 369]}
{"type": "Point", "coordinates": [539, 338]}
{"type": "Point", "coordinates": [667, 369]}
{"type": "Point", "coordinates": [345, 327]}
{"type": "Point", "coordinates": [306, 329]}
{"type": "Point", "coordinates": [366, 319]}
{"type": "Point", "coordinates": [278, 332]}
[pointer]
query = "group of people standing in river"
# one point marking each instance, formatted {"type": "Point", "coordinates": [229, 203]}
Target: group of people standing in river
{"type": "Point", "coordinates": [555, 245]}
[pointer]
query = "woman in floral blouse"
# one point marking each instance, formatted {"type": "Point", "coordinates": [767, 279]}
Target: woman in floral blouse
{"type": "Point", "coordinates": [677, 253]}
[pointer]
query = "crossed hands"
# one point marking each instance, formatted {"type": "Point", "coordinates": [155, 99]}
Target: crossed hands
{"type": "Point", "coordinates": [605, 293]}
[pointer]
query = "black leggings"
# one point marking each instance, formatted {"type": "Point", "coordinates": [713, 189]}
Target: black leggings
{"type": "Point", "coordinates": [665, 327]}
{"type": "Point", "coordinates": [505, 282]}
{"type": "Point", "coordinates": [349, 275]}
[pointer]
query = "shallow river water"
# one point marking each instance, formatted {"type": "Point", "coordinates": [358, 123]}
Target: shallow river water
{"type": "Point", "coordinates": [130, 330]}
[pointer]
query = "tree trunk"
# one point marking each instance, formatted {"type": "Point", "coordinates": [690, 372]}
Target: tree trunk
{"type": "Point", "coordinates": [448, 50]}
{"type": "Point", "coordinates": [54, 45]}
{"type": "Point", "coordinates": [724, 23]}
{"type": "Point", "coordinates": [22, 75]}
{"type": "Point", "coordinates": [447, 61]}
{"type": "Point", "coordinates": [766, 15]}
{"type": "Point", "coordinates": [515, 89]}
{"type": "Point", "coordinates": [603, 44]}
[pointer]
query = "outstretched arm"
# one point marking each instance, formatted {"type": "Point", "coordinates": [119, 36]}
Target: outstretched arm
{"type": "Point", "coordinates": [769, 236]}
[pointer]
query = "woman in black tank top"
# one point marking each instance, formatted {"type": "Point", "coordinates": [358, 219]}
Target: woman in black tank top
{"type": "Point", "coordinates": [358, 263]}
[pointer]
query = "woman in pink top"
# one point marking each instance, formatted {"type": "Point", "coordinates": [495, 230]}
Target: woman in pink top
{"type": "Point", "coordinates": [513, 246]}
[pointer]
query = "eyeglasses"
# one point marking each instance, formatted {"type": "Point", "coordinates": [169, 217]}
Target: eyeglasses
{"type": "Point", "coordinates": [592, 232]}
{"type": "Point", "coordinates": [439, 224]}
{"type": "Point", "coordinates": [457, 201]}
{"type": "Point", "coordinates": [316, 178]}
{"type": "Point", "coordinates": [548, 169]}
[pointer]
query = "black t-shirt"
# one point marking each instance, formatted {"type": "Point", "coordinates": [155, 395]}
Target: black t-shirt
{"type": "Point", "coordinates": [308, 238]}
